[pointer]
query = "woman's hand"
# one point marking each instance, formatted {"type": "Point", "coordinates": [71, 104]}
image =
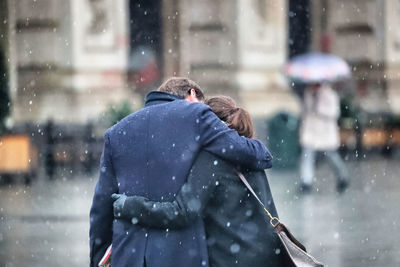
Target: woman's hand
{"type": "Point", "coordinates": [118, 204]}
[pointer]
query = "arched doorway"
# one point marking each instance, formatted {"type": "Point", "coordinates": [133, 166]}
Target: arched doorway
{"type": "Point", "coordinates": [145, 56]}
{"type": "Point", "coordinates": [299, 40]}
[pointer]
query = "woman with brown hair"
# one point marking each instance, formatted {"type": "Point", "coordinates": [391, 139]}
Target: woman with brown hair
{"type": "Point", "coordinates": [237, 229]}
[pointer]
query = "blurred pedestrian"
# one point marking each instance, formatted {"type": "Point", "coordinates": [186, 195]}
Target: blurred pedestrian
{"type": "Point", "coordinates": [150, 153]}
{"type": "Point", "coordinates": [319, 132]}
{"type": "Point", "coordinates": [236, 227]}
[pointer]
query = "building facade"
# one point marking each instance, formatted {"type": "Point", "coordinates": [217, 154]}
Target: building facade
{"type": "Point", "coordinates": [70, 59]}
{"type": "Point", "coordinates": [364, 33]}
{"type": "Point", "coordinates": [67, 58]}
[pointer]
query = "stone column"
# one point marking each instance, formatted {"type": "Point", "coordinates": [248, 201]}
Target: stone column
{"type": "Point", "coordinates": [392, 55]}
{"type": "Point", "coordinates": [208, 44]}
{"type": "Point", "coordinates": [99, 30]}
{"type": "Point", "coordinates": [70, 58]}
{"type": "Point", "coordinates": [262, 52]}
{"type": "Point", "coordinates": [11, 51]}
{"type": "Point", "coordinates": [171, 38]}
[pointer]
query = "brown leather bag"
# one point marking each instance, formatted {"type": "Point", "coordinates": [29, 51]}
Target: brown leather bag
{"type": "Point", "coordinates": [295, 254]}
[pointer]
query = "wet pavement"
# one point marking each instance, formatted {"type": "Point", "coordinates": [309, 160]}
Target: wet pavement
{"type": "Point", "coordinates": [357, 228]}
{"type": "Point", "coordinates": [47, 223]}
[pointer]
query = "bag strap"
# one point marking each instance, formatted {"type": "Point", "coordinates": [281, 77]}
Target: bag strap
{"type": "Point", "coordinates": [246, 183]}
{"type": "Point", "coordinates": [278, 226]}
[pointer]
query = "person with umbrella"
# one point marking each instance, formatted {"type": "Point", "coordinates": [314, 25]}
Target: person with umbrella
{"type": "Point", "coordinates": [319, 131]}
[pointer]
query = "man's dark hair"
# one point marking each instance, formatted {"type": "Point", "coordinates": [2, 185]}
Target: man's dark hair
{"type": "Point", "coordinates": [181, 87]}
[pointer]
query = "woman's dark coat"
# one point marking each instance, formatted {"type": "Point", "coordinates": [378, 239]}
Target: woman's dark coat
{"type": "Point", "coordinates": [237, 228]}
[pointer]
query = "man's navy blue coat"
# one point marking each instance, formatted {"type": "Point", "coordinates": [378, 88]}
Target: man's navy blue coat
{"type": "Point", "coordinates": [150, 153]}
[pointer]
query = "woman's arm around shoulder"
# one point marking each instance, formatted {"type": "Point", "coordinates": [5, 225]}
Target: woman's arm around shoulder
{"type": "Point", "coordinates": [188, 204]}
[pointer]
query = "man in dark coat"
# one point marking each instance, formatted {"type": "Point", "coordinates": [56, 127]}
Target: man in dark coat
{"type": "Point", "coordinates": [149, 153]}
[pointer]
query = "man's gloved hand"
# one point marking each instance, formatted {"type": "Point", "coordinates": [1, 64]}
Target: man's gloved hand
{"type": "Point", "coordinates": [118, 204]}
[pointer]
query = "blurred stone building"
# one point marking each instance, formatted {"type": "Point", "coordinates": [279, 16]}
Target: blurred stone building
{"type": "Point", "coordinates": [70, 59]}
{"type": "Point", "coordinates": [365, 33]}
{"type": "Point", "coordinates": [67, 58]}
{"type": "Point", "coordinates": [232, 47]}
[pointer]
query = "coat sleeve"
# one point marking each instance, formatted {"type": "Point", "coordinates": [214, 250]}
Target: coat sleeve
{"type": "Point", "coordinates": [101, 212]}
{"type": "Point", "coordinates": [220, 140]}
{"type": "Point", "coordinates": [189, 203]}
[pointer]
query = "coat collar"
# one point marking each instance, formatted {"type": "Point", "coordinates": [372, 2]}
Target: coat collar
{"type": "Point", "coordinates": [157, 97]}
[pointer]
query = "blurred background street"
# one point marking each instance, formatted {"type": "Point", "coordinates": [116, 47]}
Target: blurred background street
{"type": "Point", "coordinates": [71, 69]}
{"type": "Point", "coordinates": [47, 224]}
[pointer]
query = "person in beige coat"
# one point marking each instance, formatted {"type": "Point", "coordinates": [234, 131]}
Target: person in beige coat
{"type": "Point", "coordinates": [319, 132]}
